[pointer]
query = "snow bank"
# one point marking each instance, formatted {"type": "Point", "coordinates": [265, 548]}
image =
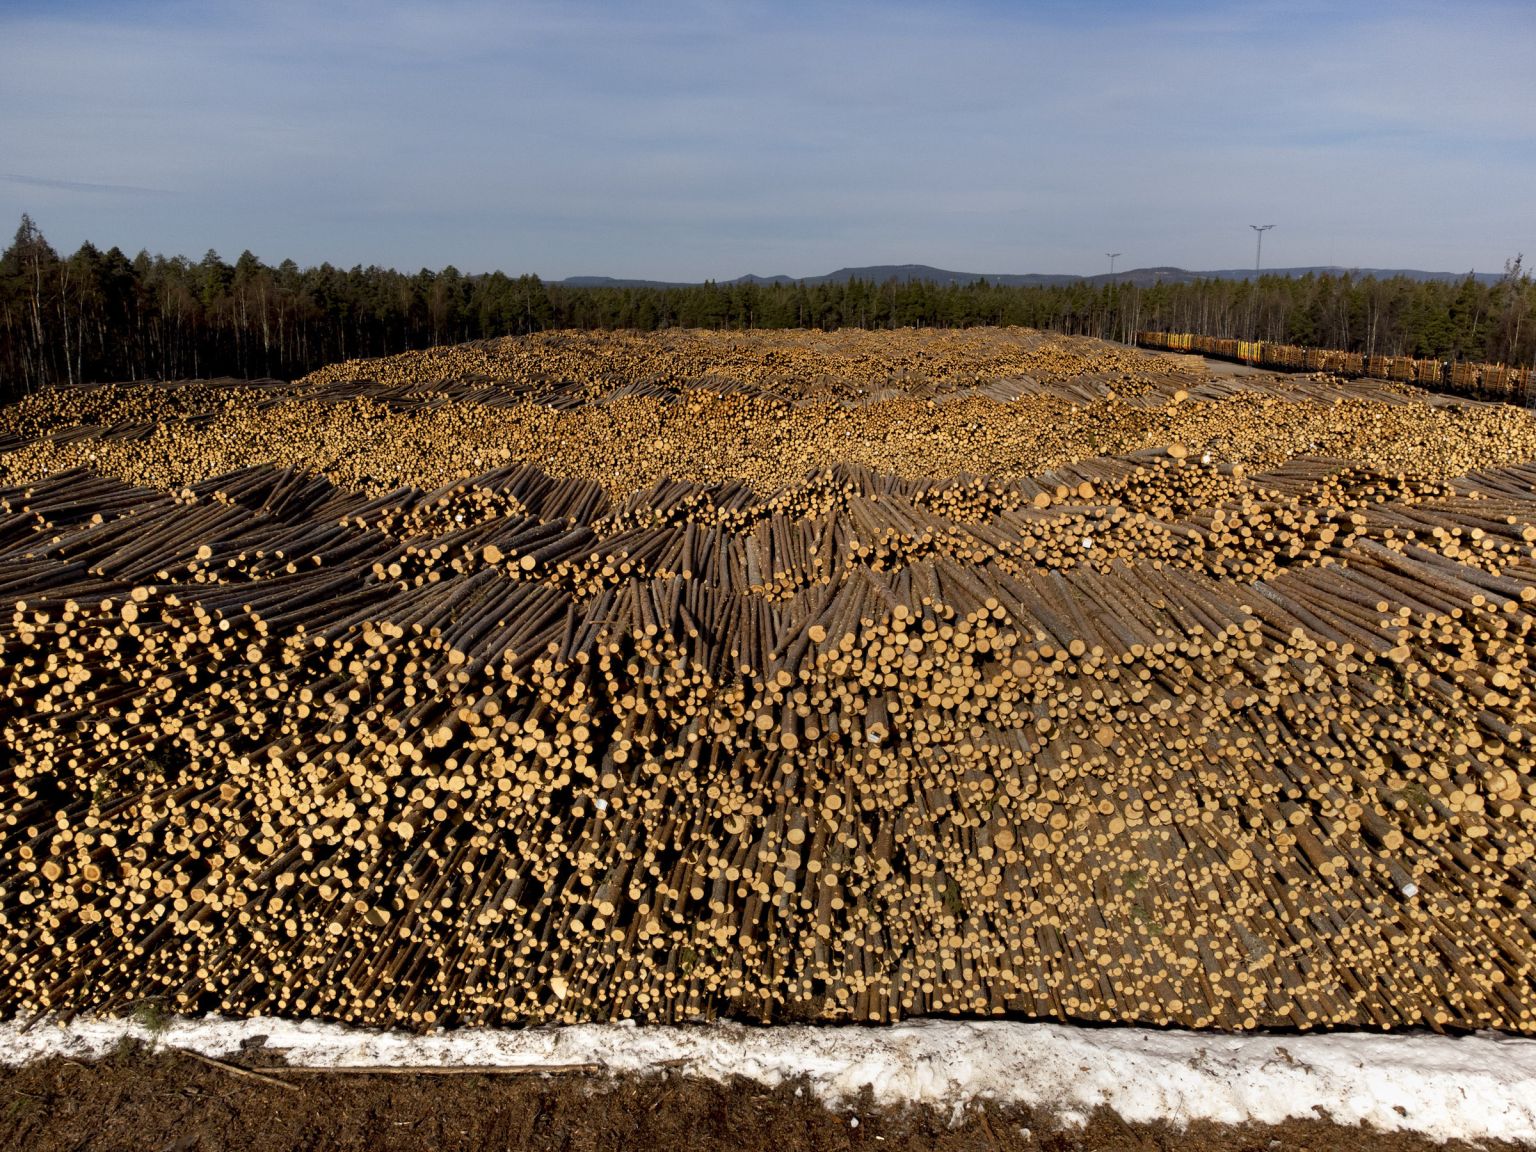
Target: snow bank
{"type": "Point", "coordinates": [1475, 1087]}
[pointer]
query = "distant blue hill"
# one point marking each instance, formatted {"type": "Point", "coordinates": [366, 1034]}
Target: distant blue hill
{"type": "Point", "coordinates": [610, 282]}
{"type": "Point", "coordinates": [1142, 277]}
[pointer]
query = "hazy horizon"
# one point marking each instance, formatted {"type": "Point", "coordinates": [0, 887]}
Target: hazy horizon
{"type": "Point", "coordinates": [686, 142]}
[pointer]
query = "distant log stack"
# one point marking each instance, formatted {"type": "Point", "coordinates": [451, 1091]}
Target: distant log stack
{"type": "Point", "coordinates": [1148, 737]}
{"type": "Point", "coordinates": [1495, 382]}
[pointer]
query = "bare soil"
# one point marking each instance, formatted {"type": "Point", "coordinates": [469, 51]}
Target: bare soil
{"type": "Point", "coordinates": [169, 1101]}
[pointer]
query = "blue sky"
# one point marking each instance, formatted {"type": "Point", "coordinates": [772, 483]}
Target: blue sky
{"type": "Point", "coordinates": [692, 140]}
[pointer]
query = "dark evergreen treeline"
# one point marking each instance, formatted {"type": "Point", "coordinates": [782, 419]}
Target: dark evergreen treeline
{"type": "Point", "coordinates": [99, 315]}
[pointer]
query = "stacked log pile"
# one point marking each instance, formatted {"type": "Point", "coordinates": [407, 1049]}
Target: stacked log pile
{"type": "Point", "coordinates": [1496, 382]}
{"type": "Point", "coordinates": [766, 445]}
{"type": "Point", "coordinates": [1153, 737]}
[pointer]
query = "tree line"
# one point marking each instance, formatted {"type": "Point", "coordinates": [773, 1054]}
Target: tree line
{"type": "Point", "coordinates": [100, 315]}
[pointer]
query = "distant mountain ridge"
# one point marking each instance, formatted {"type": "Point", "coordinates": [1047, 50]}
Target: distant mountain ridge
{"type": "Point", "coordinates": [1141, 277]}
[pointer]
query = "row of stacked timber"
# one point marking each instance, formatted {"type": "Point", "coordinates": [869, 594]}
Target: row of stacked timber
{"type": "Point", "coordinates": [1154, 737]}
{"type": "Point", "coordinates": [1497, 382]}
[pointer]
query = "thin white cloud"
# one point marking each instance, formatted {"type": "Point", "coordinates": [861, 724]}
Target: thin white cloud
{"type": "Point", "coordinates": [81, 185]}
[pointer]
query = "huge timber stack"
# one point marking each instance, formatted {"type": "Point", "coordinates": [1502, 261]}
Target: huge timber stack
{"type": "Point", "coordinates": [1218, 731]}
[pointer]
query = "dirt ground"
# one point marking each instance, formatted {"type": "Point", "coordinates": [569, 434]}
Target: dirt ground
{"type": "Point", "coordinates": [1221, 369]}
{"type": "Point", "coordinates": [173, 1102]}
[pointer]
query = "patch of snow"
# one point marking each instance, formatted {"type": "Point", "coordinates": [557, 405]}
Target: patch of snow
{"type": "Point", "coordinates": [1471, 1087]}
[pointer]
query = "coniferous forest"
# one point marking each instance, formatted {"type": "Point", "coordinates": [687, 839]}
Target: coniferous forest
{"type": "Point", "coordinates": [102, 315]}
